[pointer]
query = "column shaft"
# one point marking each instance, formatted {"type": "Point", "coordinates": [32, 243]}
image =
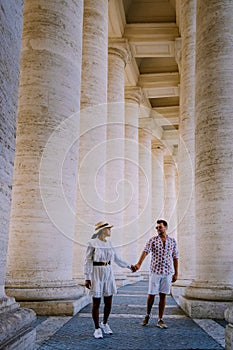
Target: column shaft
{"type": "Point", "coordinates": [212, 288]}
{"type": "Point", "coordinates": [14, 321]}
{"type": "Point", "coordinates": [42, 223]}
{"type": "Point", "coordinates": [170, 208]}
{"type": "Point", "coordinates": [185, 200]}
{"type": "Point", "coordinates": [157, 180]}
{"type": "Point", "coordinates": [93, 120]}
{"type": "Point", "coordinates": [144, 218]}
{"type": "Point", "coordinates": [130, 233]}
{"type": "Point", "coordinates": [117, 57]}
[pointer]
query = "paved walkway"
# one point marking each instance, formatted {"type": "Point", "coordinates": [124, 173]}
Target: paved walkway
{"type": "Point", "coordinates": [129, 306]}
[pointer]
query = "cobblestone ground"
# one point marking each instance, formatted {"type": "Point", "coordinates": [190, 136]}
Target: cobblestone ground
{"type": "Point", "coordinates": [129, 307]}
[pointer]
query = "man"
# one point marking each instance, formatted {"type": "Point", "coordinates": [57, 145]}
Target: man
{"type": "Point", "coordinates": [163, 269]}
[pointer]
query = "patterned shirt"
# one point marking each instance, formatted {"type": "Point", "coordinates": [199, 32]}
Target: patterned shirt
{"type": "Point", "coordinates": [162, 256]}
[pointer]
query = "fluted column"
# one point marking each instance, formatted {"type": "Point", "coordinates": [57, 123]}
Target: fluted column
{"type": "Point", "coordinates": [186, 201]}
{"type": "Point", "coordinates": [212, 290]}
{"type": "Point", "coordinates": [130, 232]}
{"type": "Point", "coordinates": [157, 181]}
{"type": "Point", "coordinates": [14, 320]}
{"type": "Point", "coordinates": [118, 55]}
{"type": "Point", "coordinates": [43, 200]}
{"type": "Point", "coordinates": [93, 120]}
{"type": "Point", "coordinates": [170, 207]}
{"type": "Point", "coordinates": [144, 214]}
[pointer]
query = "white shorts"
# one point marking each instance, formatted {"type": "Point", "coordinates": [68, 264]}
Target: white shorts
{"type": "Point", "coordinates": [159, 284]}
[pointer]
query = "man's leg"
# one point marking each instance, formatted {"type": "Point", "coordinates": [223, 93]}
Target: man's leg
{"type": "Point", "coordinates": [150, 302]}
{"type": "Point", "coordinates": [162, 303]}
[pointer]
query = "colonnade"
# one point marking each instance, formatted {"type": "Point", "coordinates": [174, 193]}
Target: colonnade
{"type": "Point", "coordinates": [82, 156]}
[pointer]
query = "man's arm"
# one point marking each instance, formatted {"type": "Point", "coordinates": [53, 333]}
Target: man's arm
{"type": "Point", "coordinates": [140, 261]}
{"type": "Point", "coordinates": [175, 276]}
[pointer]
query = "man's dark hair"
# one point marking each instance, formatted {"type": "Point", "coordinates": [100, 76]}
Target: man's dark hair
{"type": "Point", "coordinates": [162, 222]}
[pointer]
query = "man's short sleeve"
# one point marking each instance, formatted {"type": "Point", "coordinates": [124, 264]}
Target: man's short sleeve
{"type": "Point", "coordinates": [175, 254]}
{"type": "Point", "coordinates": [148, 245]}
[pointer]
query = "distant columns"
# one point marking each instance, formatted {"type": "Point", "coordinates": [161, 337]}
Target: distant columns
{"type": "Point", "coordinates": [170, 197]}
{"type": "Point", "coordinates": [157, 181]}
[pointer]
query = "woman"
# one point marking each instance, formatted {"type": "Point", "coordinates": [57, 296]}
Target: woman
{"type": "Point", "coordinates": [99, 275]}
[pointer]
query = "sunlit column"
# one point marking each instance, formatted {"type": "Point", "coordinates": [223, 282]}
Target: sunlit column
{"type": "Point", "coordinates": [185, 201]}
{"type": "Point", "coordinates": [212, 290]}
{"type": "Point", "coordinates": [93, 120]}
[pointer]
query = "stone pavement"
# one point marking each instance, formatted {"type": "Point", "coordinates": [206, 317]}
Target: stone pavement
{"type": "Point", "coordinates": [129, 307]}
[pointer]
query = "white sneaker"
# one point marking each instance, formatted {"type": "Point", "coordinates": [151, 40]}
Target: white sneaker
{"type": "Point", "coordinates": [106, 328]}
{"type": "Point", "coordinates": [98, 333]}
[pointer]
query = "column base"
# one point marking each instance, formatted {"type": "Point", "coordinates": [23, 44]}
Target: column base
{"type": "Point", "coordinates": [178, 289]}
{"type": "Point", "coordinates": [229, 328]}
{"type": "Point", "coordinates": [58, 307]}
{"type": "Point", "coordinates": [15, 329]}
{"type": "Point", "coordinates": [229, 337]}
{"type": "Point", "coordinates": [50, 298]}
{"type": "Point", "coordinates": [121, 279]}
{"type": "Point", "coordinates": [197, 308]}
{"type": "Point", "coordinates": [44, 290]}
{"type": "Point", "coordinates": [134, 277]}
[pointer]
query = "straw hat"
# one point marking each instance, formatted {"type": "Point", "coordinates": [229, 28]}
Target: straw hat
{"type": "Point", "coordinates": [100, 226]}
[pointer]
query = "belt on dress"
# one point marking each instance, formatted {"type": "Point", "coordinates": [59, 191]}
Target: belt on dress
{"type": "Point", "coordinates": [101, 263]}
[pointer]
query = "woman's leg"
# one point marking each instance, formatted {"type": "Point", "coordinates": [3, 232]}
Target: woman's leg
{"type": "Point", "coordinates": [95, 311]}
{"type": "Point", "coordinates": [107, 308]}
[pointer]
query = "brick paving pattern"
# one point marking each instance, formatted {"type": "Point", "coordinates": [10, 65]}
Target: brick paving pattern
{"type": "Point", "coordinates": [129, 308]}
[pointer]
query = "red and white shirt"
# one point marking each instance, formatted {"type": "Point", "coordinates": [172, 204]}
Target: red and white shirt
{"type": "Point", "coordinates": [162, 255]}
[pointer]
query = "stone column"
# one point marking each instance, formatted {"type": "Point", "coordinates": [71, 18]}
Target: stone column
{"type": "Point", "coordinates": [157, 181]}
{"type": "Point", "coordinates": [130, 232]}
{"type": "Point", "coordinates": [118, 55]}
{"type": "Point", "coordinates": [43, 200]}
{"type": "Point", "coordinates": [14, 320]}
{"type": "Point", "coordinates": [212, 290]}
{"type": "Point", "coordinates": [170, 204]}
{"type": "Point", "coordinates": [185, 200]}
{"type": "Point", "coordinates": [229, 328]}
{"type": "Point", "coordinates": [93, 120]}
{"type": "Point", "coordinates": [144, 214]}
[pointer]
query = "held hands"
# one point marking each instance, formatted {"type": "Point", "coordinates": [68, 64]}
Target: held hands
{"type": "Point", "coordinates": [132, 268]}
{"type": "Point", "coordinates": [88, 284]}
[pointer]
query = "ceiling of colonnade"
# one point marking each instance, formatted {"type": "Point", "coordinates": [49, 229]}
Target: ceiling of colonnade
{"type": "Point", "coordinates": [151, 28]}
